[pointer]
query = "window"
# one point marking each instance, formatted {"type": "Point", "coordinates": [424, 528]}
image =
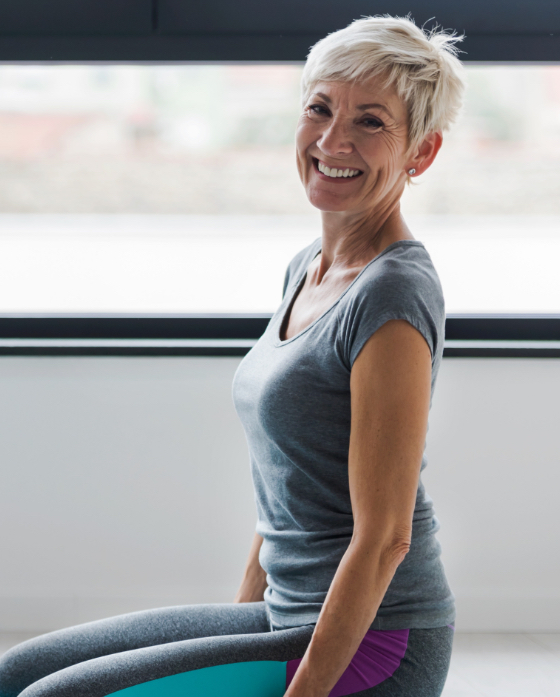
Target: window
{"type": "Point", "coordinates": [173, 189]}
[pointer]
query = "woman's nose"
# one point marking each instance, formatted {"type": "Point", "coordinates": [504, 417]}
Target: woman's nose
{"type": "Point", "coordinates": [335, 139]}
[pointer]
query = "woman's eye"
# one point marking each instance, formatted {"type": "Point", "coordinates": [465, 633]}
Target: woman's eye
{"type": "Point", "coordinates": [318, 109]}
{"type": "Point", "coordinates": [373, 123]}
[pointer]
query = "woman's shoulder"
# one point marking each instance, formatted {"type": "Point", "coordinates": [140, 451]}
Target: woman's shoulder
{"type": "Point", "coordinates": [402, 269]}
{"type": "Point", "coordinates": [400, 283]}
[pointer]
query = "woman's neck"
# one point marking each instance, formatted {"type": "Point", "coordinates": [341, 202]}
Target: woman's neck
{"type": "Point", "coordinates": [351, 240]}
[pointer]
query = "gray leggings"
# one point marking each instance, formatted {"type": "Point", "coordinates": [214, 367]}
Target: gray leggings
{"type": "Point", "coordinates": [154, 653]}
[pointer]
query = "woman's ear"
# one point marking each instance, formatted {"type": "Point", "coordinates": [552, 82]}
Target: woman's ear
{"type": "Point", "coordinates": [425, 153]}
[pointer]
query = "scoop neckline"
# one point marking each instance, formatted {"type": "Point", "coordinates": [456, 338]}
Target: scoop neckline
{"type": "Point", "coordinates": [297, 286]}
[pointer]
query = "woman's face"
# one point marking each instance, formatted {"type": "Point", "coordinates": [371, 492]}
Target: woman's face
{"type": "Point", "coordinates": [358, 132]}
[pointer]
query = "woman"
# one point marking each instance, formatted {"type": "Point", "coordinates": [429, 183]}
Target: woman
{"type": "Point", "coordinates": [344, 592]}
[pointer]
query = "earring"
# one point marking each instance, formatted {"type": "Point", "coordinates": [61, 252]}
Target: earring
{"type": "Point", "coordinates": [412, 171]}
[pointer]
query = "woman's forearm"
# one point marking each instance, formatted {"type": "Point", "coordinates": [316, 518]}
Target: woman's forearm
{"type": "Point", "coordinates": [254, 583]}
{"type": "Point", "coordinates": [355, 594]}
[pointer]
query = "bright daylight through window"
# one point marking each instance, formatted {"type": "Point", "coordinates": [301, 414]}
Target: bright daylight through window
{"type": "Point", "coordinates": [173, 189]}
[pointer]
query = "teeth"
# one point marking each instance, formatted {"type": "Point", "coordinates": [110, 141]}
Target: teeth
{"type": "Point", "coordinates": [335, 173]}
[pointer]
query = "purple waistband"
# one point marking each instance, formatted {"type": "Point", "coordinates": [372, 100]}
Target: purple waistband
{"type": "Point", "coordinates": [377, 658]}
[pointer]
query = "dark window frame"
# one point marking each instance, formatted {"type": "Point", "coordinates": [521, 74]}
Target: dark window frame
{"type": "Point", "coordinates": [475, 336]}
{"type": "Point", "coordinates": [257, 30]}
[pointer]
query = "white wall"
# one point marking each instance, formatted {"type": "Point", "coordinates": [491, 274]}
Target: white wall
{"type": "Point", "coordinates": [125, 484]}
{"type": "Point", "coordinates": [494, 475]}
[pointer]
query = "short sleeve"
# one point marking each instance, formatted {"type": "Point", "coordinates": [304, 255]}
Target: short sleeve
{"type": "Point", "coordinates": [402, 286]}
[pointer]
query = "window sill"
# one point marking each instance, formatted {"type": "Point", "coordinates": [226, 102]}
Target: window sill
{"type": "Point", "coordinates": [467, 336]}
{"type": "Point", "coordinates": [239, 347]}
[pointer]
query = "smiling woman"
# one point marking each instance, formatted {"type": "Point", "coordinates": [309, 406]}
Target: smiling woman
{"type": "Point", "coordinates": [344, 590]}
{"type": "Point", "coordinates": [342, 139]}
{"type": "Point", "coordinates": [377, 97]}
{"type": "Point", "coordinates": [375, 108]}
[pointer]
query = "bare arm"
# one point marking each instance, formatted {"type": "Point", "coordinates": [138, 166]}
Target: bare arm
{"type": "Point", "coordinates": [390, 396]}
{"type": "Point", "coordinates": [253, 584]}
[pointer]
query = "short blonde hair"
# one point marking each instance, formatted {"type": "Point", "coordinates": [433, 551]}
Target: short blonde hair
{"type": "Point", "coordinates": [423, 66]}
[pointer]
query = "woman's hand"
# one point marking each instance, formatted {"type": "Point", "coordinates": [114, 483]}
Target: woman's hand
{"type": "Point", "coordinates": [254, 583]}
{"type": "Point", "coordinates": [390, 388]}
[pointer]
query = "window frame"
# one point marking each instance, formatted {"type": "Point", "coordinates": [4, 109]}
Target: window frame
{"type": "Point", "coordinates": [466, 336]}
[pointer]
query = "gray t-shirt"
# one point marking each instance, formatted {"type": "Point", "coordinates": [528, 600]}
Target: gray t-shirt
{"type": "Point", "coordinates": [293, 398]}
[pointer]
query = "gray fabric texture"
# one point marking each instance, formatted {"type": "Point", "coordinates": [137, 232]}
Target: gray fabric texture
{"type": "Point", "coordinates": [99, 658]}
{"type": "Point", "coordinates": [293, 398]}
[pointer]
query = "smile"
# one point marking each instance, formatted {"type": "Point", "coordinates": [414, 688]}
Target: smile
{"type": "Point", "coordinates": [335, 173]}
